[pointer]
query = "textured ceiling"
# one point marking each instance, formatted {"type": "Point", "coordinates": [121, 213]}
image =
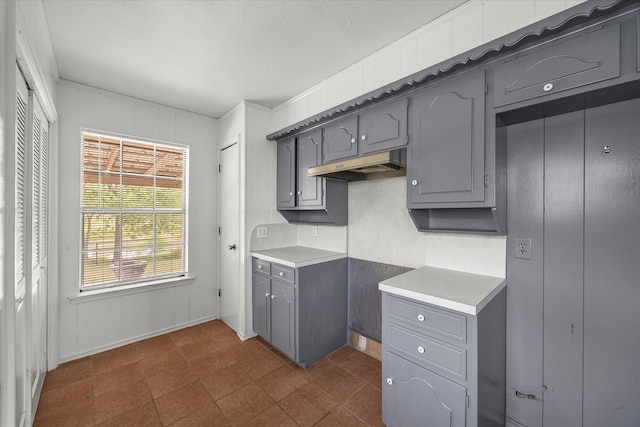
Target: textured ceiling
{"type": "Point", "coordinates": [205, 56]}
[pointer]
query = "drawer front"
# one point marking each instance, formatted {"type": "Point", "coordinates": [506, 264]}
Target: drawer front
{"type": "Point", "coordinates": [429, 319]}
{"type": "Point", "coordinates": [429, 352]}
{"type": "Point", "coordinates": [283, 273]}
{"type": "Point", "coordinates": [263, 267]}
{"type": "Point", "coordinates": [563, 65]}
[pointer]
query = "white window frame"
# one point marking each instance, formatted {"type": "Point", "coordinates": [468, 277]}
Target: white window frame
{"type": "Point", "coordinates": [170, 279]}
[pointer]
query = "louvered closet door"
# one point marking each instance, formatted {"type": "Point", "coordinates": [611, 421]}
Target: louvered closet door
{"type": "Point", "coordinates": [38, 145]}
{"type": "Point", "coordinates": [21, 169]}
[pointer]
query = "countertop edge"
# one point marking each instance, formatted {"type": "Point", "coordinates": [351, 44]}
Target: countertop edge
{"type": "Point", "coordinates": [298, 264]}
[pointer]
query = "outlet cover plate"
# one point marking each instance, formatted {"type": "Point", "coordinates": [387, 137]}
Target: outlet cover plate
{"type": "Point", "coordinates": [261, 232]}
{"type": "Point", "coordinates": [522, 248]}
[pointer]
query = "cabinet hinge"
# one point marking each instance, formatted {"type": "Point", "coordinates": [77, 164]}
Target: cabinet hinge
{"type": "Point", "coordinates": [486, 180]}
{"type": "Point", "coordinates": [219, 168]}
{"type": "Point", "coordinates": [466, 401]}
{"type": "Point", "coordinates": [486, 88]}
{"type": "Point", "coordinates": [219, 293]}
{"type": "Point", "coordinates": [219, 231]}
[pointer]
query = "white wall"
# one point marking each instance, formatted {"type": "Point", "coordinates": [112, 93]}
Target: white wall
{"type": "Point", "coordinates": [380, 228]}
{"type": "Point", "coordinates": [250, 123]}
{"type": "Point", "coordinates": [93, 326]}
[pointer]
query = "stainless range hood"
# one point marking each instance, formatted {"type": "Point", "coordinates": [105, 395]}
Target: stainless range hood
{"type": "Point", "coordinates": [373, 166]}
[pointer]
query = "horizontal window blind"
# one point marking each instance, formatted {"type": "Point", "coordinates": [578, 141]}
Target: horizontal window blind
{"type": "Point", "coordinates": [134, 210]}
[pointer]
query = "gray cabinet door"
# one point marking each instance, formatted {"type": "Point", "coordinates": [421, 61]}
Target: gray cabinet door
{"type": "Point", "coordinates": [283, 298]}
{"type": "Point", "coordinates": [286, 173]}
{"type": "Point", "coordinates": [310, 189]}
{"type": "Point", "coordinates": [261, 292]}
{"type": "Point", "coordinates": [384, 128]}
{"type": "Point", "coordinates": [564, 65]}
{"type": "Point", "coordinates": [340, 140]}
{"type": "Point", "coordinates": [446, 158]}
{"type": "Point", "coordinates": [415, 396]}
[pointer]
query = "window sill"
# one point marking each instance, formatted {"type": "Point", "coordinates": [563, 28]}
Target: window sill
{"type": "Point", "coordinates": [99, 294]}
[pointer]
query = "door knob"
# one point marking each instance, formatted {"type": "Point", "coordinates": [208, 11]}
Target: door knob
{"type": "Point", "coordinates": [232, 247]}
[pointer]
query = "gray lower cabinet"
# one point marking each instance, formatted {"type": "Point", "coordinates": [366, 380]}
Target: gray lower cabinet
{"type": "Point", "coordinates": [441, 367]}
{"type": "Point", "coordinates": [317, 294]}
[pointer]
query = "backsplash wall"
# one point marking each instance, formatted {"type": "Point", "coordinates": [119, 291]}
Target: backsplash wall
{"type": "Point", "coordinates": [381, 230]}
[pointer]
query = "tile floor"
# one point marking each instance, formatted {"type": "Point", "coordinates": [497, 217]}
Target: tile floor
{"type": "Point", "coordinates": [205, 376]}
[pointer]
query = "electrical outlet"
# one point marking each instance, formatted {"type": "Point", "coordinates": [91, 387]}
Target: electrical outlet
{"type": "Point", "coordinates": [261, 232]}
{"type": "Point", "coordinates": [314, 231]}
{"type": "Point", "coordinates": [522, 248]}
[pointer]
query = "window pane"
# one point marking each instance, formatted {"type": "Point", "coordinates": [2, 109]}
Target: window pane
{"type": "Point", "coordinates": [109, 155]}
{"type": "Point", "coordinates": [170, 163]}
{"type": "Point", "coordinates": [98, 231]}
{"type": "Point", "coordinates": [137, 231]}
{"type": "Point", "coordinates": [168, 229]}
{"type": "Point", "coordinates": [98, 267]}
{"type": "Point", "coordinates": [137, 192]}
{"type": "Point", "coordinates": [110, 190]}
{"type": "Point", "coordinates": [169, 198]}
{"type": "Point", "coordinates": [90, 190]}
{"type": "Point", "coordinates": [169, 260]}
{"type": "Point", "coordinates": [90, 153]}
{"type": "Point", "coordinates": [137, 158]}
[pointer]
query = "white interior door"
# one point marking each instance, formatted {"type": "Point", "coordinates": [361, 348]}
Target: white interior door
{"type": "Point", "coordinates": [229, 202]}
{"type": "Point", "coordinates": [22, 402]}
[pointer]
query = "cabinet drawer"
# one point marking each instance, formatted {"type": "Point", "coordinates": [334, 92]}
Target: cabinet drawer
{"type": "Point", "coordinates": [563, 65]}
{"type": "Point", "coordinates": [431, 353]}
{"type": "Point", "coordinates": [429, 319]}
{"type": "Point", "coordinates": [283, 273]}
{"type": "Point", "coordinates": [260, 266]}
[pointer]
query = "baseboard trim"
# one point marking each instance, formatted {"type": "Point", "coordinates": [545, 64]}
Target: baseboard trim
{"type": "Point", "coordinates": [136, 339]}
{"type": "Point", "coordinates": [366, 345]}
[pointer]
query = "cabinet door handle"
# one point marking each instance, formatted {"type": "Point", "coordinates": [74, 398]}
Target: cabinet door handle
{"type": "Point", "coordinates": [421, 317]}
{"type": "Point", "coordinates": [363, 137]}
{"type": "Point", "coordinates": [266, 294]}
{"type": "Point", "coordinates": [548, 87]}
{"type": "Point", "coordinates": [273, 296]}
{"type": "Point", "coordinates": [281, 274]}
{"type": "Point", "coordinates": [353, 140]}
{"type": "Point", "coordinates": [259, 267]}
{"type": "Point", "coordinates": [420, 349]}
{"type": "Point", "coordinates": [291, 193]}
{"type": "Point", "coordinates": [389, 381]}
{"type": "Point", "coordinates": [299, 192]}
{"type": "Point", "coordinates": [414, 182]}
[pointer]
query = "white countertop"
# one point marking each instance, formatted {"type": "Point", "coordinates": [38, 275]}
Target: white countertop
{"type": "Point", "coordinates": [297, 256]}
{"type": "Point", "coordinates": [463, 292]}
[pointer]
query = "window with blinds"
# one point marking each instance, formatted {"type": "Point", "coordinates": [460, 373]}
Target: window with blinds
{"type": "Point", "coordinates": [134, 210]}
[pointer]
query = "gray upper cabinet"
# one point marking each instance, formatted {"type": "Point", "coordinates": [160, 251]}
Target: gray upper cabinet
{"type": "Point", "coordinates": [383, 128]}
{"type": "Point", "coordinates": [376, 129]}
{"type": "Point", "coordinates": [310, 189]}
{"type": "Point", "coordinates": [340, 140]}
{"type": "Point", "coordinates": [286, 173]}
{"type": "Point", "coordinates": [579, 61]}
{"type": "Point", "coordinates": [446, 158]}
